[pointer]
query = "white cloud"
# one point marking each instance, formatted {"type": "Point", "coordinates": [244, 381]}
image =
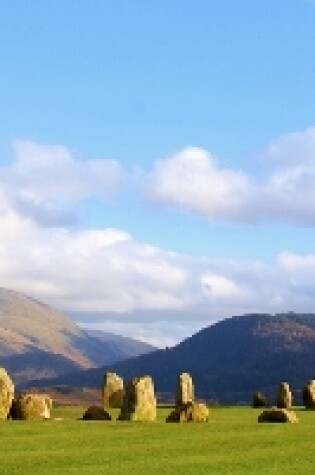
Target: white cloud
{"type": "Point", "coordinates": [295, 263]}
{"type": "Point", "coordinates": [44, 183]}
{"type": "Point", "coordinates": [219, 287]}
{"type": "Point", "coordinates": [295, 148]}
{"type": "Point", "coordinates": [96, 270]}
{"type": "Point", "coordinates": [106, 277]}
{"type": "Point", "coordinates": [52, 172]}
{"type": "Point", "coordinates": [193, 180]}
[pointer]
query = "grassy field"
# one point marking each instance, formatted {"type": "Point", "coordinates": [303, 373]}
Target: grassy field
{"type": "Point", "coordinates": [231, 443]}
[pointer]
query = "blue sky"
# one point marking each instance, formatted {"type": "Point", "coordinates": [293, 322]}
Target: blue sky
{"type": "Point", "coordinates": [157, 159]}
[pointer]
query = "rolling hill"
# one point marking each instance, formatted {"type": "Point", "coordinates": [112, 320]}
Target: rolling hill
{"type": "Point", "coordinates": [228, 360]}
{"type": "Point", "coordinates": [38, 341]}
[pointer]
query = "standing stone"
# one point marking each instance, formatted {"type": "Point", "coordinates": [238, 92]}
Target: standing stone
{"type": "Point", "coordinates": [309, 395]}
{"type": "Point", "coordinates": [259, 400]}
{"type": "Point", "coordinates": [190, 412]}
{"type": "Point", "coordinates": [185, 390]}
{"type": "Point", "coordinates": [284, 396]}
{"type": "Point", "coordinates": [186, 410]}
{"type": "Point", "coordinates": [6, 393]}
{"type": "Point", "coordinates": [113, 391]}
{"type": "Point", "coordinates": [139, 403]}
{"type": "Point", "coordinates": [31, 407]}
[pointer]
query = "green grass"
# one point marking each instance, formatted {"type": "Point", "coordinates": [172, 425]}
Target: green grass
{"type": "Point", "coordinates": [231, 443]}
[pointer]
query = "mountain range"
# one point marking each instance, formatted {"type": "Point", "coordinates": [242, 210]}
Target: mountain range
{"type": "Point", "coordinates": [228, 361]}
{"type": "Point", "coordinates": [37, 341]}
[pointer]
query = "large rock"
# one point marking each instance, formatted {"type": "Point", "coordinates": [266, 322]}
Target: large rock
{"type": "Point", "coordinates": [6, 393]}
{"type": "Point", "coordinates": [185, 390]}
{"type": "Point", "coordinates": [96, 413]}
{"type": "Point", "coordinates": [31, 406]}
{"type": "Point", "coordinates": [259, 400]}
{"type": "Point", "coordinates": [190, 412]}
{"type": "Point", "coordinates": [277, 415]}
{"type": "Point", "coordinates": [113, 391]}
{"type": "Point", "coordinates": [139, 402]}
{"type": "Point", "coordinates": [309, 395]}
{"type": "Point", "coordinates": [284, 396]}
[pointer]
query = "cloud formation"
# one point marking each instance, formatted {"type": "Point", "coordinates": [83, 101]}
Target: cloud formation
{"type": "Point", "coordinates": [193, 180]}
{"type": "Point", "coordinates": [45, 182]}
{"type": "Point", "coordinates": [106, 277]}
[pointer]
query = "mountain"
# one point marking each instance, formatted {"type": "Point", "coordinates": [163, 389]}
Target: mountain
{"type": "Point", "coordinates": [228, 360]}
{"type": "Point", "coordinates": [122, 347]}
{"type": "Point", "coordinates": [38, 341]}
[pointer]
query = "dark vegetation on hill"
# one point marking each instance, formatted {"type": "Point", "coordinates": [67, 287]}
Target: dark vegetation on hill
{"type": "Point", "coordinates": [228, 360]}
{"type": "Point", "coordinates": [37, 341]}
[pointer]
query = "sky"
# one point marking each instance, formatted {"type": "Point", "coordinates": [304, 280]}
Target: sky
{"type": "Point", "coordinates": [157, 160]}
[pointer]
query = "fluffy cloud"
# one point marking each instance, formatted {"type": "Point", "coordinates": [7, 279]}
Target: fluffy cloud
{"type": "Point", "coordinates": [107, 278]}
{"type": "Point", "coordinates": [193, 180]}
{"type": "Point", "coordinates": [96, 270]}
{"type": "Point", "coordinates": [50, 172]}
{"type": "Point", "coordinates": [45, 182]}
{"type": "Point", "coordinates": [107, 275]}
{"type": "Point", "coordinates": [291, 149]}
{"type": "Point", "coordinates": [219, 287]}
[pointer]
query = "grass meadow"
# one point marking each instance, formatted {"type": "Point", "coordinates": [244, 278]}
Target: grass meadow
{"type": "Point", "coordinates": [232, 442]}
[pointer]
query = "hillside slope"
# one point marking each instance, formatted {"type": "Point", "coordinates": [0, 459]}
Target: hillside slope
{"type": "Point", "coordinates": [228, 360]}
{"type": "Point", "coordinates": [38, 341]}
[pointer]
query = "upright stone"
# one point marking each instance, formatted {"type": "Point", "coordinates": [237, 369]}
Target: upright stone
{"type": "Point", "coordinates": [190, 412]}
{"type": "Point", "coordinates": [139, 403]}
{"type": "Point", "coordinates": [259, 400]}
{"type": "Point", "coordinates": [31, 407]}
{"type": "Point", "coordinates": [6, 393]}
{"type": "Point", "coordinates": [309, 395]}
{"type": "Point", "coordinates": [284, 396]}
{"type": "Point", "coordinates": [185, 390]}
{"type": "Point", "coordinates": [113, 391]}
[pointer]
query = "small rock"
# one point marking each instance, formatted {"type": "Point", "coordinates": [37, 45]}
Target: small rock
{"type": "Point", "coordinates": [96, 413]}
{"type": "Point", "coordinates": [277, 415]}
